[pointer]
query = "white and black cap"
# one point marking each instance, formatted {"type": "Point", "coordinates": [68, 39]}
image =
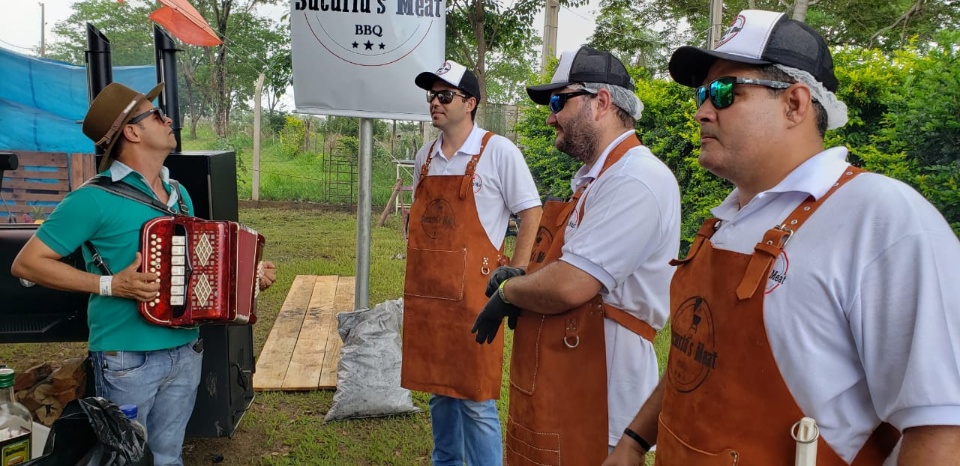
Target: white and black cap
{"type": "Point", "coordinates": [584, 65]}
{"type": "Point", "coordinates": [759, 37]}
{"type": "Point", "coordinates": [453, 74]}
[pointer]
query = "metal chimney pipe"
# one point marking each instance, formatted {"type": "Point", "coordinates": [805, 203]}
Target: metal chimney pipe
{"type": "Point", "coordinates": [99, 67]}
{"type": "Point", "coordinates": [165, 50]}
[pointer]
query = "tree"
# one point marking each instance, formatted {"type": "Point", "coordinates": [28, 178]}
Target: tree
{"type": "Point", "coordinates": [904, 117]}
{"type": "Point", "coordinates": [211, 84]}
{"type": "Point", "coordinates": [477, 29]}
{"type": "Point", "coordinates": [259, 45]}
{"type": "Point", "coordinates": [218, 13]}
{"type": "Point", "coordinates": [865, 23]}
{"type": "Point", "coordinates": [125, 24]}
{"type": "Point", "coordinates": [630, 35]}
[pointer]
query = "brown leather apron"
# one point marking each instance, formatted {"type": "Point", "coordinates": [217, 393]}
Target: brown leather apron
{"type": "Point", "coordinates": [725, 402]}
{"type": "Point", "coordinates": [449, 260]}
{"type": "Point", "coordinates": [558, 372]}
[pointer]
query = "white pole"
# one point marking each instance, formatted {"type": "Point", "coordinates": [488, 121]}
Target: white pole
{"type": "Point", "coordinates": [716, 16]}
{"type": "Point", "coordinates": [551, 15]}
{"type": "Point", "coordinates": [255, 193]}
{"type": "Point", "coordinates": [43, 30]}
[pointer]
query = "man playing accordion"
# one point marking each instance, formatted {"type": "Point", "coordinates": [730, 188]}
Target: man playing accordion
{"type": "Point", "coordinates": [155, 367]}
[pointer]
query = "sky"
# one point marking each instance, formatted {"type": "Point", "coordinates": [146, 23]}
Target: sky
{"type": "Point", "coordinates": [20, 23]}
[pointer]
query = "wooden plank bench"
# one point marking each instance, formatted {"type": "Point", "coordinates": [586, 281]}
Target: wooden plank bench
{"type": "Point", "coordinates": [40, 182]}
{"type": "Point", "coordinates": [302, 351]}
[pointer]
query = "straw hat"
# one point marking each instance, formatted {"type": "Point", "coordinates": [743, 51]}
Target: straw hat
{"type": "Point", "coordinates": [109, 112]}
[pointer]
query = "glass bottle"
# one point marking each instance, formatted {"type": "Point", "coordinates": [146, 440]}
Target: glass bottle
{"type": "Point", "coordinates": [15, 423]}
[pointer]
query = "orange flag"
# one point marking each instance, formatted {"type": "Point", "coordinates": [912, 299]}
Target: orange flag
{"type": "Point", "coordinates": [185, 23]}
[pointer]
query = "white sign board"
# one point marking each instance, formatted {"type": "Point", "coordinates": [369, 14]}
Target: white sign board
{"type": "Point", "coordinates": [359, 58]}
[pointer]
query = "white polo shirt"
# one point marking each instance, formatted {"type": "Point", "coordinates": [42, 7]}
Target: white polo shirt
{"type": "Point", "coordinates": [863, 307]}
{"type": "Point", "coordinates": [629, 232]}
{"type": "Point", "coordinates": [502, 183]}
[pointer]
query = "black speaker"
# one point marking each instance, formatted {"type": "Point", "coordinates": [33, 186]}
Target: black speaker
{"type": "Point", "coordinates": [226, 386]}
{"type": "Point", "coordinates": [32, 313]}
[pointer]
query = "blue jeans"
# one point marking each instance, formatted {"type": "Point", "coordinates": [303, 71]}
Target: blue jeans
{"type": "Point", "coordinates": [163, 384]}
{"type": "Point", "coordinates": [465, 430]}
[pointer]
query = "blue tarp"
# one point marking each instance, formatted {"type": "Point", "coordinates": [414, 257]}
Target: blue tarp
{"type": "Point", "coordinates": [42, 102]}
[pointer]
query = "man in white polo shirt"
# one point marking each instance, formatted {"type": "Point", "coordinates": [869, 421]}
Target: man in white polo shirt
{"type": "Point", "coordinates": [467, 184]}
{"type": "Point", "coordinates": [597, 288]}
{"type": "Point", "coordinates": [820, 307]}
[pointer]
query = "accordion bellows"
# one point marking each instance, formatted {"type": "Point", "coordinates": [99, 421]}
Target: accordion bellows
{"type": "Point", "coordinates": [208, 271]}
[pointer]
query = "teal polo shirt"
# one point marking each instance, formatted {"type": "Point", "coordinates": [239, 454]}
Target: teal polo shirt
{"type": "Point", "coordinates": [112, 224]}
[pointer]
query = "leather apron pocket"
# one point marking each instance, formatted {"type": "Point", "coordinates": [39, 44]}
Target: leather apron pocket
{"type": "Point", "coordinates": [673, 451]}
{"type": "Point", "coordinates": [439, 274]}
{"type": "Point", "coordinates": [540, 448]}
{"type": "Point", "coordinates": [525, 362]}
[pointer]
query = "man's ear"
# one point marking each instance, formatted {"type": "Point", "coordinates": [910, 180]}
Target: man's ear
{"type": "Point", "coordinates": [798, 104]}
{"type": "Point", "coordinates": [604, 103]}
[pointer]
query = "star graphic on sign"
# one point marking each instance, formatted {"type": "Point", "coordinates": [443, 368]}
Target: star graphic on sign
{"type": "Point", "coordinates": [368, 45]}
{"type": "Point", "coordinates": [355, 45]}
{"type": "Point", "coordinates": [382, 46]}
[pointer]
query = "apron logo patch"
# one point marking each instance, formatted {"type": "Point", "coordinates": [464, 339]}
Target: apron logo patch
{"type": "Point", "coordinates": [692, 353]}
{"type": "Point", "coordinates": [477, 183]}
{"type": "Point", "coordinates": [541, 245]}
{"type": "Point", "coordinates": [438, 219]}
{"type": "Point", "coordinates": [778, 274]}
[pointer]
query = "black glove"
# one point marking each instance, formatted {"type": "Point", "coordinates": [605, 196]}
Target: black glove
{"type": "Point", "coordinates": [488, 321]}
{"type": "Point", "coordinates": [500, 274]}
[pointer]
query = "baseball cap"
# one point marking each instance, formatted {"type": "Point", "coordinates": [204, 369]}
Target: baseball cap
{"type": "Point", "coordinates": [584, 65]}
{"type": "Point", "coordinates": [453, 74]}
{"type": "Point", "coordinates": [109, 111]}
{"type": "Point", "coordinates": [759, 37]}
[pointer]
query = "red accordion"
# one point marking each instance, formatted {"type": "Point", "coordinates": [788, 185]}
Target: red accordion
{"type": "Point", "coordinates": [209, 271]}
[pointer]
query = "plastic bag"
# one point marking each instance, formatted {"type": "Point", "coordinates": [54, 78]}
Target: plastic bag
{"type": "Point", "coordinates": [94, 432]}
{"type": "Point", "coordinates": [368, 377]}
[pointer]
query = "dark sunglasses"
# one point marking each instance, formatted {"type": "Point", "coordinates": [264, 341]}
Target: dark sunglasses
{"type": "Point", "coordinates": [153, 111]}
{"type": "Point", "coordinates": [557, 101]}
{"type": "Point", "coordinates": [720, 91]}
{"type": "Point", "coordinates": [445, 97]}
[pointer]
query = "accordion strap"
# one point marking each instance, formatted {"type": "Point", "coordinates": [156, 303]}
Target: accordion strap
{"type": "Point", "coordinates": [126, 191]}
{"type": "Point", "coordinates": [129, 192]}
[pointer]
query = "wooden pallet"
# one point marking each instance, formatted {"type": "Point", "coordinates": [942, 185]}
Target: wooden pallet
{"type": "Point", "coordinates": [41, 181]}
{"type": "Point", "coordinates": [302, 351]}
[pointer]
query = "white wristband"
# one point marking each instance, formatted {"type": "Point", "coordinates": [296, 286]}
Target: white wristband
{"type": "Point", "coordinates": [106, 282]}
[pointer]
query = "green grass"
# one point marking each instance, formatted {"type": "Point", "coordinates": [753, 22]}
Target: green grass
{"type": "Point", "coordinates": [290, 174]}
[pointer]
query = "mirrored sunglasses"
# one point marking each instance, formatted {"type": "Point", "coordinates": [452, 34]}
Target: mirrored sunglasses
{"type": "Point", "coordinates": [557, 101]}
{"type": "Point", "coordinates": [153, 111]}
{"type": "Point", "coordinates": [721, 90]}
{"type": "Point", "coordinates": [445, 97]}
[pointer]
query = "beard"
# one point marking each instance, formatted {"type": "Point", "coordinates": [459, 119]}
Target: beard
{"type": "Point", "coordinates": [580, 138]}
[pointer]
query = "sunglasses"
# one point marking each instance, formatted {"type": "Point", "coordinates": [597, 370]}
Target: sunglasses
{"type": "Point", "coordinates": [557, 101]}
{"type": "Point", "coordinates": [445, 97]}
{"type": "Point", "coordinates": [720, 91]}
{"type": "Point", "coordinates": [153, 111]}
